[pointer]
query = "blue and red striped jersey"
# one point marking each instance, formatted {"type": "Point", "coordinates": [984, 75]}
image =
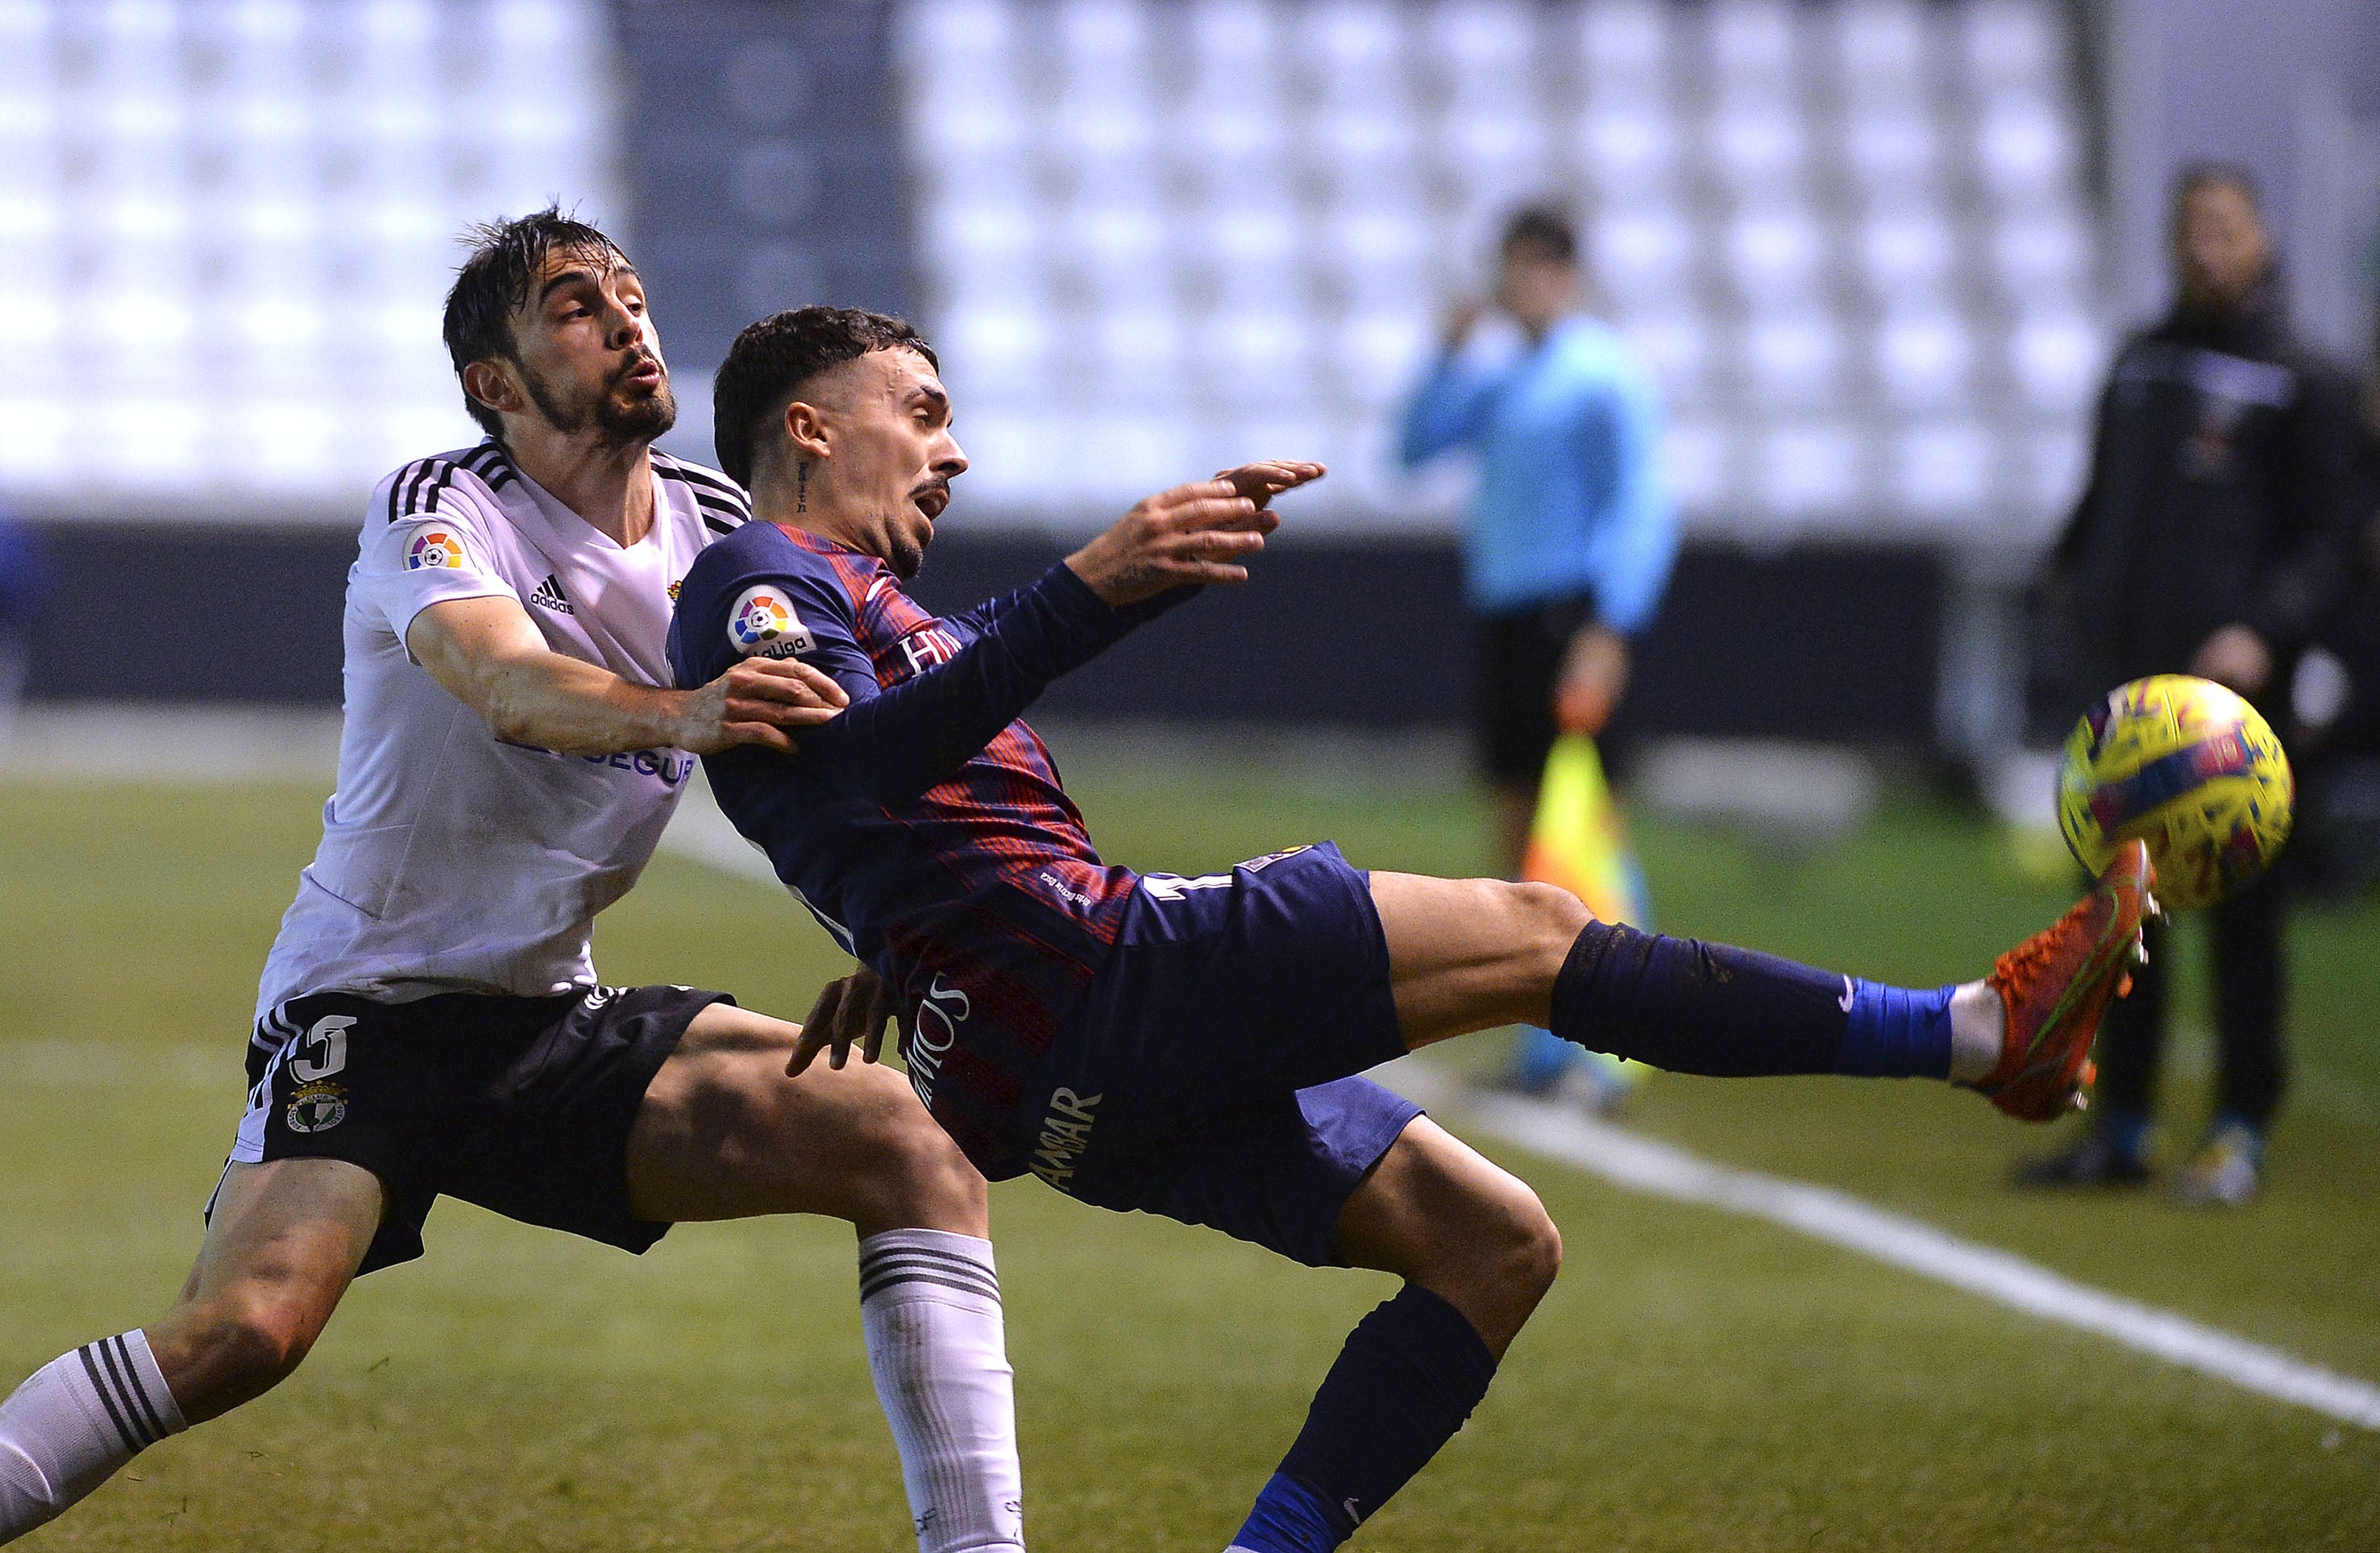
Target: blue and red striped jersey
{"type": "Point", "coordinates": [926, 826]}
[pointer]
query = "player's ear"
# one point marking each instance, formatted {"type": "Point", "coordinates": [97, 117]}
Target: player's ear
{"type": "Point", "coordinates": [807, 435]}
{"type": "Point", "coordinates": [493, 383]}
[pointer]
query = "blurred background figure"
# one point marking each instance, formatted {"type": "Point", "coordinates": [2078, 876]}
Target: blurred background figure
{"type": "Point", "coordinates": [20, 589]}
{"type": "Point", "coordinates": [2211, 539]}
{"type": "Point", "coordinates": [1569, 541]}
{"type": "Point", "coordinates": [2335, 697]}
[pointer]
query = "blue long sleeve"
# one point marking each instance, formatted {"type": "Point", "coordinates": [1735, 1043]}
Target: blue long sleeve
{"type": "Point", "coordinates": [892, 744]}
{"type": "Point", "coordinates": [1449, 410]}
{"type": "Point", "coordinates": [1634, 547]}
{"type": "Point", "coordinates": [981, 616]}
{"type": "Point", "coordinates": [958, 681]}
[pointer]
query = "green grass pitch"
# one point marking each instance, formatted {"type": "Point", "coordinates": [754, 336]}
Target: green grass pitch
{"type": "Point", "coordinates": [1694, 1382]}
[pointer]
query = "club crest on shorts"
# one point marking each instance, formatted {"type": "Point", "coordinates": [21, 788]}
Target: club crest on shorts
{"type": "Point", "coordinates": [434, 547]}
{"type": "Point", "coordinates": [763, 625]}
{"type": "Point", "coordinates": [317, 1107]}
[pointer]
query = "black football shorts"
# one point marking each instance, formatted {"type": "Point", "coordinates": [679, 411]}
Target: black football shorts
{"type": "Point", "coordinates": [1517, 660]}
{"type": "Point", "coordinates": [521, 1105]}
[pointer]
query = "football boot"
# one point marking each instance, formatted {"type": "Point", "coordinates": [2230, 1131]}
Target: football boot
{"type": "Point", "coordinates": [2055, 986]}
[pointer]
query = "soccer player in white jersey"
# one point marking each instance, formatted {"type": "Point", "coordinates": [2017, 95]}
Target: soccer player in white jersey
{"type": "Point", "coordinates": [430, 1021]}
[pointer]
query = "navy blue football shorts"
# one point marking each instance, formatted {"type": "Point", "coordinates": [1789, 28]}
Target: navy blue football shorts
{"type": "Point", "coordinates": [1208, 1074]}
{"type": "Point", "coordinates": [520, 1104]}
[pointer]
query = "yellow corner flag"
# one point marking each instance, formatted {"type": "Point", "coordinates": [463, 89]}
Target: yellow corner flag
{"type": "Point", "coordinates": [1578, 840]}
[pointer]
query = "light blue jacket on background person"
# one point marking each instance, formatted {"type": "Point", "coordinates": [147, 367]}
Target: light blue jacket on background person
{"type": "Point", "coordinates": [1570, 499]}
{"type": "Point", "coordinates": [1570, 502]}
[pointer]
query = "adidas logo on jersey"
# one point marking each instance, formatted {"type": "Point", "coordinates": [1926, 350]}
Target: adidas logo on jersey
{"type": "Point", "coordinates": [548, 595]}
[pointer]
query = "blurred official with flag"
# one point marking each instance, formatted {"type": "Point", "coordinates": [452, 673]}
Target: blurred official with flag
{"type": "Point", "coordinates": [1568, 549]}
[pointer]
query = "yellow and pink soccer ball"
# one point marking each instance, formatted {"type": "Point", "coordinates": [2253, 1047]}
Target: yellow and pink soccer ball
{"type": "Point", "coordinates": [2189, 768]}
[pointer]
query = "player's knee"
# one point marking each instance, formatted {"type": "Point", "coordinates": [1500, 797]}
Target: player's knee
{"type": "Point", "coordinates": [237, 1346]}
{"type": "Point", "coordinates": [1517, 1246]}
{"type": "Point", "coordinates": [1551, 912]}
{"type": "Point", "coordinates": [1543, 921]}
{"type": "Point", "coordinates": [269, 1338]}
{"type": "Point", "coordinates": [921, 1175]}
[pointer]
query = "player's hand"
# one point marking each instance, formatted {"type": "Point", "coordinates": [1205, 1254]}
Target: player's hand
{"type": "Point", "coordinates": [1594, 677]}
{"type": "Point", "coordinates": [2235, 657]}
{"type": "Point", "coordinates": [1262, 481]}
{"type": "Point", "coordinates": [1193, 534]}
{"type": "Point", "coordinates": [756, 702]}
{"type": "Point", "coordinates": [854, 1010]}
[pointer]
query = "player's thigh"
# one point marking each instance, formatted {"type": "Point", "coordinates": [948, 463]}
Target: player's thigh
{"type": "Point", "coordinates": [283, 1240]}
{"type": "Point", "coordinates": [723, 1134]}
{"type": "Point", "coordinates": [1436, 1212]}
{"type": "Point", "coordinates": [1469, 954]}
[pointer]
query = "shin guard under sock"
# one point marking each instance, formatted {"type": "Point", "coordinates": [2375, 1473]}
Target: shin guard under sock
{"type": "Point", "coordinates": [1410, 1374]}
{"type": "Point", "coordinates": [1694, 1007]}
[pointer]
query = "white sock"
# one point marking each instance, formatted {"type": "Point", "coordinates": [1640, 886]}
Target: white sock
{"type": "Point", "coordinates": [1978, 1031]}
{"type": "Point", "coordinates": [68, 1428]}
{"type": "Point", "coordinates": [929, 1303]}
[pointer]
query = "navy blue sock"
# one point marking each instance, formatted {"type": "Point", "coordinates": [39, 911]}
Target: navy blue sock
{"type": "Point", "coordinates": [1710, 1008]}
{"type": "Point", "coordinates": [1410, 1374]}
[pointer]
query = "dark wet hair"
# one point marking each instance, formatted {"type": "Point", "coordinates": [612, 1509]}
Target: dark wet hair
{"type": "Point", "coordinates": [771, 359]}
{"type": "Point", "coordinates": [494, 281]}
{"type": "Point", "coordinates": [1544, 228]}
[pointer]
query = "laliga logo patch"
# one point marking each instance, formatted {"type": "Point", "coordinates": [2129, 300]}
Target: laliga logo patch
{"type": "Point", "coordinates": [763, 625]}
{"type": "Point", "coordinates": [434, 547]}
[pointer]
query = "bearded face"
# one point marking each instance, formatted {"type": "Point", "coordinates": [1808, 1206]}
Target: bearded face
{"type": "Point", "coordinates": [632, 404]}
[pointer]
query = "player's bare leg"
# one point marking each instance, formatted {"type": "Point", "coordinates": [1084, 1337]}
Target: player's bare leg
{"type": "Point", "coordinates": [1469, 954]}
{"type": "Point", "coordinates": [282, 1243]}
{"type": "Point", "coordinates": [725, 1134]}
{"type": "Point", "coordinates": [1477, 1252]}
{"type": "Point", "coordinates": [283, 1240]}
{"type": "Point", "coordinates": [1439, 1214]}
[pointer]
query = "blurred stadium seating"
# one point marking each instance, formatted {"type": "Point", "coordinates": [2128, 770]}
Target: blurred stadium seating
{"type": "Point", "coordinates": [1868, 244]}
{"type": "Point", "coordinates": [226, 227]}
{"type": "Point", "coordinates": [1155, 237]}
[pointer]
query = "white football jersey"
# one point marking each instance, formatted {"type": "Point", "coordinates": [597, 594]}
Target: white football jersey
{"type": "Point", "coordinates": [452, 861]}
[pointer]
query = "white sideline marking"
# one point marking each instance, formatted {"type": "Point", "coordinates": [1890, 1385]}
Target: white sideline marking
{"type": "Point", "coordinates": [1644, 1164]}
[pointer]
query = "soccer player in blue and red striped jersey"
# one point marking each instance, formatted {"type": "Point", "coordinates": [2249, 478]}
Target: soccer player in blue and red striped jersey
{"type": "Point", "coordinates": [1193, 1047]}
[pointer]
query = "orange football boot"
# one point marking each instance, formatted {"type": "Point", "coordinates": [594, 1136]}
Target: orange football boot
{"type": "Point", "coordinates": [2055, 985]}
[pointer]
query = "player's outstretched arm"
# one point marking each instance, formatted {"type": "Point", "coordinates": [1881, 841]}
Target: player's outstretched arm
{"type": "Point", "coordinates": [490, 655]}
{"type": "Point", "coordinates": [897, 741]}
{"type": "Point", "coordinates": [1190, 535]}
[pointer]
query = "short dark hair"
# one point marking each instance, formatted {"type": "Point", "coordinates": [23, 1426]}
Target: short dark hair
{"type": "Point", "coordinates": [494, 281]}
{"type": "Point", "coordinates": [771, 359]}
{"type": "Point", "coordinates": [1542, 227]}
